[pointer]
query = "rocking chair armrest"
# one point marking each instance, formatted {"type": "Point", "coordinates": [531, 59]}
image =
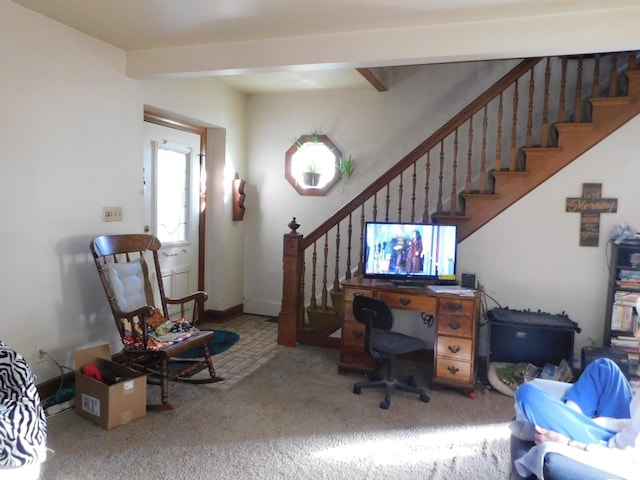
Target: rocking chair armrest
{"type": "Point", "coordinates": [199, 296]}
{"type": "Point", "coordinates": [143, 312]}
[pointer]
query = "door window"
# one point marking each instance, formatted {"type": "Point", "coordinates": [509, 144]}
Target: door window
{"type": "Point", "coordinates": [172, 172]}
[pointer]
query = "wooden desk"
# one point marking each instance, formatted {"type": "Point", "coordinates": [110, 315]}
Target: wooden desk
{"type": "Point", "coordinates": [456, 330]}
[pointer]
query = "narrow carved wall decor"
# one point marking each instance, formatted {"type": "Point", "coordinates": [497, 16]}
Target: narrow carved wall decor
{"type": "Point", "coordinates": [238, 198]}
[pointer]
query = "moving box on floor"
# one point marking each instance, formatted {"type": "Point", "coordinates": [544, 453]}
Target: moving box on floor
{"type": "Point", "coordinates": [120, 398]}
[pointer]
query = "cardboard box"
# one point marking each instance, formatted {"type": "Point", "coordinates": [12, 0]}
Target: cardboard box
{"type": "Point", "coordinates": [108, 405]}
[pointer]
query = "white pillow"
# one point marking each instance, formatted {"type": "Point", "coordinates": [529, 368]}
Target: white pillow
{"type": "Point", "coordinates": [127, 283]}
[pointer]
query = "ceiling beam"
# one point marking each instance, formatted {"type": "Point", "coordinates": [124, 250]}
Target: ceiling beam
{"type": "Point", "coordinates": [377, 77]}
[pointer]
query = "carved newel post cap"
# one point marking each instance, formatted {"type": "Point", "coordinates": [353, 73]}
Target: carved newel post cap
{"type": "Point", "coordinates": [293, 225]}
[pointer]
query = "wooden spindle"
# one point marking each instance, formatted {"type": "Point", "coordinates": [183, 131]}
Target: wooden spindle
{"type": "Point", "coordinates": [400, 192]}
{"type": "Point", "coordinates": [468, 187]}
{"type": "Point", "coordinates": [595, 89]}
{"type": "Point", "coordinates": [314, 261]}
{"type": "Point", "coordinates": [375, 207]}
{"type": "Point", "coordinates": [387, 203]}
{"type": "Point", "coordinates": [499, 135]}
{"type": "Point", "coordinates": [514, 125]}
{"type": "Point", "coordinates": [529, 138]}
{"type": "Point", "coordinates": [562, 108]}
{"type": "Point", "coordinates": [440, 176]}
{"type": "Point", "coordinates": [336, 268]}
{"type": "Point", "coordinates": [414, 180]}
{"type": "Point", "coordinates": [427, 168]}
{"type": "Point", "coordinates": [577, 106]}
{"type": "Point", "coordinates": [361, 251]}
{"type": "Point", "coordinates": [613, 75]}
{"type": "Point", "coordinates": [482, 184]}
{"type": "Point", "coordinates": [632, 62]}
{"type": "Point", "coordinates": [347, 273]}
{"type": "Point", "coordinates": [454, 177]}
{"type": "Point", "coordinates": [544, 130]}
{"type": "Point", "coordinates": [325, 263]}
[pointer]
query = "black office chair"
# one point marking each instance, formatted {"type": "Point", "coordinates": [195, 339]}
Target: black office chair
{"type": "Point", "coordinates": [385, 345]}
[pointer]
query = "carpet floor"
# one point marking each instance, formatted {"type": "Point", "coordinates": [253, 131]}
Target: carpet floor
{"type": "Point", "coordinates": [294, 417]}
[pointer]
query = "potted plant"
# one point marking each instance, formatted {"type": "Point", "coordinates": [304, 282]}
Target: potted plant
{"type": "Point", "coordinates": [311, 175]}
{"type": "Point", "coordinates": [347, 165]}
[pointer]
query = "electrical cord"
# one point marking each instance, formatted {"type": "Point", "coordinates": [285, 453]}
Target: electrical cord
{"type": "Point", "coordinates": [55, 398]}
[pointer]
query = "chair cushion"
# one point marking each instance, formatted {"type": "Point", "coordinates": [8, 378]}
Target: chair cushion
{"type": "Point", "coordinates": [127, 283]}
{"type": "Point", "coordinates": [395, 343]}
{"type": "Point", "coordinates": [23, 425]}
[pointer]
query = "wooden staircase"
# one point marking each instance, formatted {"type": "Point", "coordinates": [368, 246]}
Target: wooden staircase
{"type": "Point", "coordinates": [315, 265]}
{"type": "Point", "coordinates": [541, 163]}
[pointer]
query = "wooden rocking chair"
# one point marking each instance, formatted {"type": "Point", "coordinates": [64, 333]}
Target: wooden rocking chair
{"type": "Point", "coordinates": [124, 273]}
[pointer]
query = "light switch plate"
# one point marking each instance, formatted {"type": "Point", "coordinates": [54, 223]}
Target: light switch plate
{"type": "Point", "coordinates": [111, 214]}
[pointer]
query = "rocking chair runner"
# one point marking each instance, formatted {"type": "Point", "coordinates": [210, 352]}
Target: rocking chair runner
{"type": "Point", "coordinates": [124, 274]}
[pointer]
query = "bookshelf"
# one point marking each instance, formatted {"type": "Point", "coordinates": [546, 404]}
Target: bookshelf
{"type": "Point", "coordinates": [623, 291]}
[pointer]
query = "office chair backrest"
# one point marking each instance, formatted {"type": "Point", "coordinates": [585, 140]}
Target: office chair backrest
{"type": "Point", "coordinates": [372, 311]}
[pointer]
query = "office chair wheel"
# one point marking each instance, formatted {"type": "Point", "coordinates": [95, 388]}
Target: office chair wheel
{"type": "Point", "coordinates": [424, 398]}
{"type": "Point", "coordinates": [385, 403]}
{"type": "Point", "coordinates": [357, 390]}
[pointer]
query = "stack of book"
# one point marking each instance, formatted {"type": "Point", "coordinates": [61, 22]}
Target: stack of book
{"type": "Point", "coordinates": [630, 345]}
{"type": "Point", "coordinates": [624, 316]}
{"type": "Point", "coordinates": [629, 279]}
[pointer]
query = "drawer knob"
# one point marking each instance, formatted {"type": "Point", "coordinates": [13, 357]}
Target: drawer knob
{"type": "Point", "coordinates": [454, 325]}
{"type": "Point", "coordinates": [356, 354]}
{"type": "Point", "coordinates": [453, 369]}
{"type": "Point", "coordinates": [357, 333]}
{"type": "Point", "coordinates": [405, 301]}
{"type": "Point", "coordinates": [454, 348]}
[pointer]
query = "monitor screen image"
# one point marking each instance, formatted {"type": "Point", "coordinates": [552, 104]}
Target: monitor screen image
{"type": "Point", "coordinates": [398, 251]}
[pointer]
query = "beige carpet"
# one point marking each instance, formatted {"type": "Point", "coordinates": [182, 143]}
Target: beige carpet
{"type": "Point", "coordinates": [294, 417]}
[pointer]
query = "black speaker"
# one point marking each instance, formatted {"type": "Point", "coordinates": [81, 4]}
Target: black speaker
{"type": "Point", "coordinates": [468, 280]}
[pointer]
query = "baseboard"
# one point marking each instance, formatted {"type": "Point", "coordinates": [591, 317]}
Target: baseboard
{"type": "Point", "coordinates": [222, 316]}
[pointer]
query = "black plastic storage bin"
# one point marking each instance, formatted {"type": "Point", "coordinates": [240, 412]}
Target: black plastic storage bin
{"type": "Point", "coordinates": [589, 354]}
{"type": "Point", "coordinates": [523, 336]}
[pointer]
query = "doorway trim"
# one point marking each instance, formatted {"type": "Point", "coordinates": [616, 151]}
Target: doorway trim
{"type": "Point", "coordinates": [167, 120]}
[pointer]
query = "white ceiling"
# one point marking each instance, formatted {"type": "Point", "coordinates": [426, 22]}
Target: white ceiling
{"type": "Point", "coordinates": [150, 27]}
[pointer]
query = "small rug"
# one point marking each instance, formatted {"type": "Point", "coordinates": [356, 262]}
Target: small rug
{"type": "Point", "coordinates": [223, 340]}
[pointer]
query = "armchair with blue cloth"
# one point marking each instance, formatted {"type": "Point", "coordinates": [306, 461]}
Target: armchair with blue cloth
{"type": "Point", "coordinates": [589, 430]}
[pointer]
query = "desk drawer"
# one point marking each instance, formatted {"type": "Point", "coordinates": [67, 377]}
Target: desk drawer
{"type": "Point", "coordinates": [453, 370]}
{"type": "Point", "coordinates": [350, 292]}
{"type": "Point", "coordinates": [454, 347]}
{"type": "Point", "coordinates": [353, 332]}
{"type": "Point", "coordinates": [456, 306]}
{"type": "Point", "coordinates": [455, 325]}
{"type": "Point", "coordinates": [354, 355]}
{"type": "Point", "coordinates": [418, 303]}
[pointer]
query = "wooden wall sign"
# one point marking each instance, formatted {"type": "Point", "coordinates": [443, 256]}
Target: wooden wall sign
{"type": "Point", "coordinates": [238, 198]}
{"type": "Point", "coordinates": [590, 206]}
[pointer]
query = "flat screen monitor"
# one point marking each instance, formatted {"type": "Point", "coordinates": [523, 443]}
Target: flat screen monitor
{"type": "Point", "coordinates": [411, 253]}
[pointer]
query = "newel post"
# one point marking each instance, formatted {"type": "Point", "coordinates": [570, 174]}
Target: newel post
{"type": "Point", "coordinates": [292, 265]}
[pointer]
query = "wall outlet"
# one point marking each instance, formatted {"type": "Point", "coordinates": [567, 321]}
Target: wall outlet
{"type": "Point", "coordinates": [111, 214]}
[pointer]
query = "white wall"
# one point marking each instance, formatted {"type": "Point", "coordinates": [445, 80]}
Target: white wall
{"type": "Point", "coordinates": [71, 134]}
{"type": "Point", "coordinates": [378, 129]}
{"type": "Point", "coordinates": [528, 257]}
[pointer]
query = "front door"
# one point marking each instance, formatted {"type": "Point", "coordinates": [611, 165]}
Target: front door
{"type": "Point", "coordinates": [172, 199]}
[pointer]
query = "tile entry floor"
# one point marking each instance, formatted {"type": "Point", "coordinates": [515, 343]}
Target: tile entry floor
{"type": "Point", "coordinates": [257, 345]}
